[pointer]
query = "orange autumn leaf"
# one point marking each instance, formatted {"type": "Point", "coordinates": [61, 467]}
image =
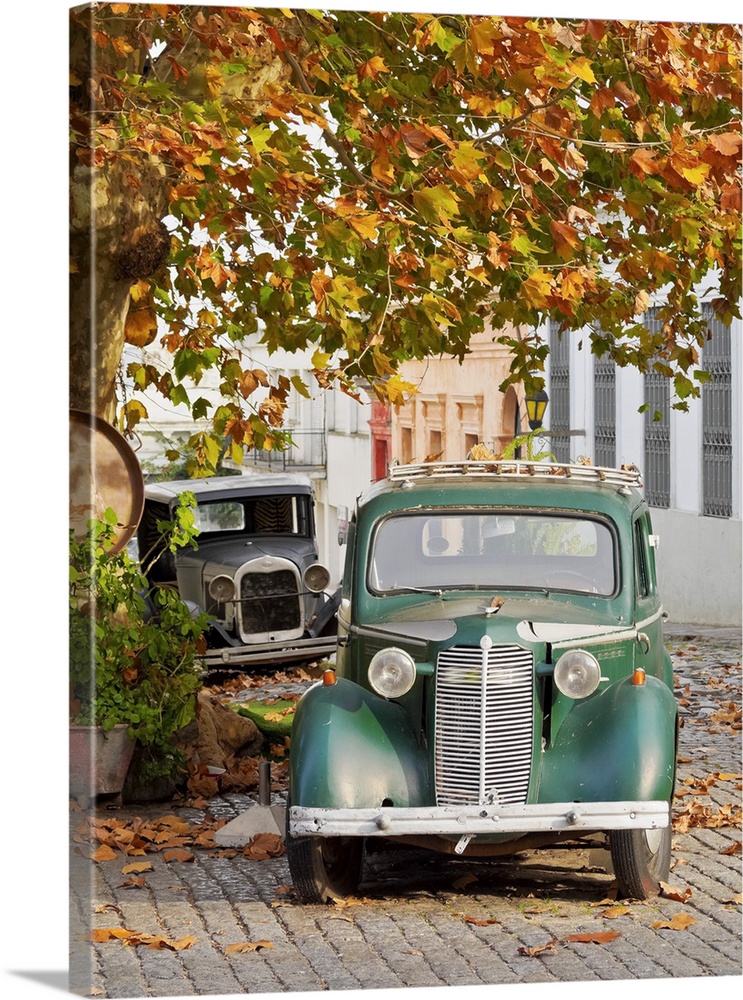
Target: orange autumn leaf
{"type": "Point", "coordinates": [372, 68]}
{"type": "Point", "coordinates": [566, 238]}
{"type": "Point", "coordinates": [264, 846]}
{"type": "Point", "coordinates": [134, 882]}
{"type": "Point", "coordinates": [103, 853]}
{"type": "Point", "coordinates": [680, 895]}
{"type": "Point", "coordinates": [615, 911]}
{"type": "Point", "coordinates": [603, 937]}
{"type": "Point", "coordinates": [539, 949]}
{"type": "Point", "coordinates": [727, 143]}
{"type": "Point", "coordinates": [101, 934]}
{"type": "Point", "coordinates": [178, 855]}
{"type": "Point", "coordinates": [137, 868]}
{"type": "Point", "coordinates": [679, 922]}
{"type": "Point", "coordinates": [246, 946]}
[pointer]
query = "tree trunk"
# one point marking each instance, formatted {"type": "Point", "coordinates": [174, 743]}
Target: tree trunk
{"type": "Point", "coordinates": [116, 239]}
{"type": "Point", "coordinates": [116, 233]}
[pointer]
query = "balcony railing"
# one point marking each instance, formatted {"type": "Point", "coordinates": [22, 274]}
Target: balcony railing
{"type": "Point", "coordinates": [306, 453]}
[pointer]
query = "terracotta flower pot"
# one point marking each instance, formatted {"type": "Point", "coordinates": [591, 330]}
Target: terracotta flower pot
{"type": "Point", "coordinates": [98, 761]}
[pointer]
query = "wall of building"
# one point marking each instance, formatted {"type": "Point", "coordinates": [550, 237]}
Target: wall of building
{"type": "Point", "coordinates": [699, 567]}
{"type": "Point", "coordinates": [348, 474]}
{"type": "Point", "coordinates": [699, 559]}
{"type": "Point", "coordinates": [457, 405]}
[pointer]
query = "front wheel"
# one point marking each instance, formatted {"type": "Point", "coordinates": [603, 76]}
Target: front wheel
{"type": "Point", "coordinates": [641, 859]}
{"type": "Point", "coordinates": [324, 868]}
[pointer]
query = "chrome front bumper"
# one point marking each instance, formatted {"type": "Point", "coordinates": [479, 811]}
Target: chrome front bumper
{"type": "Point", "coordinates": [471, 821]}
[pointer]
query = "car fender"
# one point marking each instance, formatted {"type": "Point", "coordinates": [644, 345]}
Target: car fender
{"type": "Point", "coordinates": [352, 749]}
{"type": "Point", "coordinates": [617, 745]}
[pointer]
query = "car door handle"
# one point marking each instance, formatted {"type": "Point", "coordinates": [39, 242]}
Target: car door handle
{"type": "Point", "coordinates": [644, 639]}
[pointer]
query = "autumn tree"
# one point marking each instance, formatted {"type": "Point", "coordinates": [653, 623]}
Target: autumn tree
{"type": "Point", "coordinates": [379, 187]}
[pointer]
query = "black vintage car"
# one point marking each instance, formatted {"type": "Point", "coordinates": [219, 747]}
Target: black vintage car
{"type": "Point", "coordinates": [255, 571]}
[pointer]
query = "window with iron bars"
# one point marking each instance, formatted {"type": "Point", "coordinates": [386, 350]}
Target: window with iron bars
{"type": "Point", "coordinates": [559, 393]}
{"type": "Point", "coordinates": [717, 421]}
{"type": "Point", "coordinates": [657, 398]}
{"type": "Point", "coordinates": [605, 412]}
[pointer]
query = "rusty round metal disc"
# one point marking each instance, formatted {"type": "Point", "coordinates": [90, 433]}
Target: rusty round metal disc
{"type": "Point", "coordinates": [104, 472]}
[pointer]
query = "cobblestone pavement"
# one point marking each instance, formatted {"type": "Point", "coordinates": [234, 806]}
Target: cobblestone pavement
{"type": "Point", "coordinates": [424, 921]}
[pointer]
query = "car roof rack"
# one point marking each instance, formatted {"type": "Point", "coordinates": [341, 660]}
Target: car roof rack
{"type": "Point", "coordinates": [628, 475]}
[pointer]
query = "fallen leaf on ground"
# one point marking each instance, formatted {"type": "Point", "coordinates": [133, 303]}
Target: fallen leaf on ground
{"type": "Point", "coordinates": [137, 868]}
{"type": "Point", "coordinates": [103, 853]}
{"type": "Point", "coordinates": [615, 911]}
{"type": "Point", "coordinates": [603, 937]}
{"type": "Point", "coordinates": [134, 938]}
{"type": "Point", "coordinates": [539, 949]}
{"type": "Point", "coordinates": [176, 824]}
{"type": "Point", "coordinates": [178, 855]}
{"type": "Point", "coordinates": [736, 900]}
{"type": "Point", "coordinates": [733, 849]}
{"type": "Point", "coordinates": [135, 882]}
{"type": "Point", "coordinates": [696, 814]}
{"type": "Point", "coordinates": [678, 923]}
{"type": "Point", "coordinates": [464, 881]}
{"type": "Point", "coordinates": [107, 906]}
{"type": "Point", "coordinates": [680, 895]}
{"type": "Point", "coordinates": [246, 946]}
{"type": "Point", "coordinates": [101, 934]}
{"type": "Point", "coordinates": [264, 846]}
{"type": "Point", "coordinates": [480, 923]}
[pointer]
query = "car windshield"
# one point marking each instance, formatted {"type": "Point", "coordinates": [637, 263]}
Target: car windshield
{"type": "Point", "coordinates": [488, 549]}
{"type": "Point", "coordinates": [266, 515]}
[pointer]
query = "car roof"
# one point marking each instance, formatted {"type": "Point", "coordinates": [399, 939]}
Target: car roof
{"type": "Point", "coordinates": [219, 487]}
{"type": "Point", "coordinates": [507, 483]}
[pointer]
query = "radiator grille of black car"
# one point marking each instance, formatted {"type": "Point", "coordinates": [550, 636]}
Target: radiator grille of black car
{"type": "Point", "coordinates": [483, 725]}
{"type": "Point", "coordinates": [269, 602]}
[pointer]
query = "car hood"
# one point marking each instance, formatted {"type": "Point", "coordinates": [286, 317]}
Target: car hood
{"type": "Point", "coordinates": [534, 620]}
{"type": "Point", "coordinates": [234, 552]}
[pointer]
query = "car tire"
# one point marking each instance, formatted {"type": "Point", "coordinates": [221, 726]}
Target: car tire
{"type": "Point", "coordinates": [324, 868]}
{"type": "Point", "coordinates": [641, 860]}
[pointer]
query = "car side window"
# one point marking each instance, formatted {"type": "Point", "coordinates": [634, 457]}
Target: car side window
{"type": "Point", "coordinates": [642, 570]}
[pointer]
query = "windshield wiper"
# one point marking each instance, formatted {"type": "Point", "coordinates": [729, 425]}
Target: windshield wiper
{"type": "Point", "coordinates": [418, 590]}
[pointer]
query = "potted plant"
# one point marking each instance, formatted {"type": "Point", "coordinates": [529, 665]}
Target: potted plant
{"type": "Point", "coordinates": [134, 650]}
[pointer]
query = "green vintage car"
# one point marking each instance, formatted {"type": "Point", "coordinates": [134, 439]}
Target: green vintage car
{"type": "Point", "coordinates": [501, 680]}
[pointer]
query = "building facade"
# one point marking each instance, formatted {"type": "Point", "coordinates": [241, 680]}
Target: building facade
{"type": "Point", "coordinates": [457, 406]}
{"type": "Point", "coordinates": [690, 461]}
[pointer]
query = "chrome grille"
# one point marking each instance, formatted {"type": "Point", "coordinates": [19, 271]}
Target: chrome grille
{"type": "Point", "coordinates": [269, 602]}
{"type": "Point", "coordinates": [483, 725]}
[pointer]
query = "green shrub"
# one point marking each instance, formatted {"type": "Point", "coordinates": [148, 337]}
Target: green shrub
{"type": "Point", "coordinates": [133, 649]}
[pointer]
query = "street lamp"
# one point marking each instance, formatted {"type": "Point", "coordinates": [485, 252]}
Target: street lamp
{"type": "Point", "coordinates": [536, 404]}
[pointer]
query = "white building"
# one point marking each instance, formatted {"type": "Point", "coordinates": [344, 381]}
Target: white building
{"type": "Point", "coordinates": [690, 461]}
{"type": "Point", "coordinates": [330, 432]}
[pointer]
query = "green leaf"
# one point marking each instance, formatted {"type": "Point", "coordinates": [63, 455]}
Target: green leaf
{"type": "Point", "coordinates": [185, 363]}
{"type": "Point", "coordinates": [179, 395]}
{"type": "Point", "coordinates": [200, 407]}
{"type": "Point", "coordinates": [300, 385]}
{"type": "Point", "coordinates": [436, 204]}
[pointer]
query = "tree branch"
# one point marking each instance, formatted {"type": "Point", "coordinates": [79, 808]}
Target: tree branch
{"type": "Point", "coordinates": [333, 140]}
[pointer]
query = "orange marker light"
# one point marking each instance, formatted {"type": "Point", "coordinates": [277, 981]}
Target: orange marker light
{"type": "Point", "coordinates": [329, 678]}
{"type": "Point", "coordinates": [638, 677]}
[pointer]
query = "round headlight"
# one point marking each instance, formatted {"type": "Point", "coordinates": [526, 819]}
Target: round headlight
{"type": "Point", "coordinates": [392, 672]}
{"type": "Point", "coordinates": [221, 589]}
{"type": "Point", "coordinates": [577, 674]}
{"type": "Point", "coordinates": [316, 578]}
